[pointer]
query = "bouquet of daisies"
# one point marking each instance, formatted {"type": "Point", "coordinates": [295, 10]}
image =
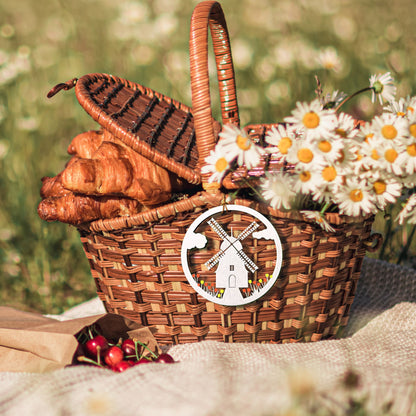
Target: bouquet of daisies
{"type": "Point", "coordinates": [336, 164]}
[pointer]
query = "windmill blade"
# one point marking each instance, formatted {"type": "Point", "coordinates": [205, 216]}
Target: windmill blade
{"type": "Point", "coordinates": [215, 259]}
{"type": "Point", "coordinates": [248, 262]}
{"type": "Point", "coordinates": [218, 229]}
{"type": "Point", "coordinates": [224, 236]}
{"type": "Point", "coordinates": [250, 229]}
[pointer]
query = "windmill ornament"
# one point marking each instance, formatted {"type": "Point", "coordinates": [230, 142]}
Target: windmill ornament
{"type": "Point", "coordinates": [219, 255]}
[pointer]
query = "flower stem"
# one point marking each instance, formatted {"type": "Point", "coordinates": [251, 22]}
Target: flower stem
{"type": "Point", "coordinates": [253, 188]}
{"type": "Point", "coordinates": [352, 96]}
{"type": "Point", "coordinates": [325, 207]}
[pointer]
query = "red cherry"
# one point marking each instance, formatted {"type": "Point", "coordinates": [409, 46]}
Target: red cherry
{"type": "Point", "coordinates": [128, 347]}
{"type": "Point", "coordinates": [143, 361]}
{"type": "Point", "coordinates": [98, 343]}
{"type": "Point", "coordinates": [164, 358]}
{"type": "Point", "coordinates": [121, 366]}
{"type": "Point", "coordinates": [113, 356]}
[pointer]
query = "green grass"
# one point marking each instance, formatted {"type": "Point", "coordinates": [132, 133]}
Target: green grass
{"type": "Point", "coordinates": [275, 46]}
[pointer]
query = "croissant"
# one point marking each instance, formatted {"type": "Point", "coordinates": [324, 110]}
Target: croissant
{"type": "Point", "coordinates": [76, 209]}
{"type": "Point", "coordinates": [85, 144]}
{"type": "Point", "coordinates": [53, 186]}
{"type": "Point", "coordinates": [116, 169]}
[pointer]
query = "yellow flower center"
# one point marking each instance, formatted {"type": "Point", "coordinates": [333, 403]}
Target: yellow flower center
{"type": "Point", "coordinates": [305, 176]}
{"type": "Point", "coordinates": [412, 129]}
{"type": "Point", "coordinates": [375, 155]}
{"type": "Point", "coordinates": [356, 195]}
{"type": "Point", "coordinates": [284, 145]}
{"type": "Point", "coordinates": [390, 155]}
{"type": "Point", "coordinates": [329, 173]}
{"type": "Point", "coordinates": [305, 155]}
{"type": "Point", "coordinates": [389, 132]}
{"type": "Point", "coordinates": [221, 164]}
{"type": "Point", "coordinates": [243, 142]}
{"type": "Point", "coordinates": [411, 150]}
{"type": "Point", "coordinates": [359, 155]}
{"type": "Point", "coordinates": [341, 132]}
{"type": "Point", "coordinates": [401, 114]}
{"type": "Point", "coordinates": [311, 120]}
{"type": "Point", "coordinates": [411, 109]}
{"type": "Point", "coordinates": [324, 146]}
{"type": "Point", "coordinates": [379, 187]}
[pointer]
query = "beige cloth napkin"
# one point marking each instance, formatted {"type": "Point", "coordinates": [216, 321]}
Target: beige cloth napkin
{"type": "Point", "coordinates": [250, 379]}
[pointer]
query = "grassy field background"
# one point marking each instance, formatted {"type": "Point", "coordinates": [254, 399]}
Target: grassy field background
{"type": "Point", "coordinates": [278, 48]}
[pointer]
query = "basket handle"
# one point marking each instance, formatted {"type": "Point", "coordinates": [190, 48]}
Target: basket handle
{"type": "Point", "coordinates": [210, 13]}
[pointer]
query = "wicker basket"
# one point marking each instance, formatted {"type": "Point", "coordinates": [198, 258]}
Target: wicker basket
{"type": "Point", "coordinates": [136, 261]}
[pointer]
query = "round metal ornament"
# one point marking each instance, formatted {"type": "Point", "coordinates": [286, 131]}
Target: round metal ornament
{"type": "Point", "coordinates": [221, 254]}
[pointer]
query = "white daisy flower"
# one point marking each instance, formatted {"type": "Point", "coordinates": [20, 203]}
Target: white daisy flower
{"type": "Point", "coordinates": [346, 126]}
{"type": "Point", "coordinates": [389, 158]}
{"type": "Point", "coordinates": [217, 164]}
{"type": "Point", "coordinates": [278, 190]}
{"type": "Point", "coordinates": [319, 219]}
{"type": "Point", "coordinates": [383, 87]}
{"type": "Point", "coordinates": [355, 198]}
{"type": "Point", "coordinates": [407, 157]}
{"type": "Point", "coordinates": [347, 159]}
{"type": "Point", "coordinates": [324, 195]}
{"type": "Point", "coordinates": [411, 105]}
{"type": "Point", "coordinates": [330, 148]}
{"type": "Point", "coordinates": [312, 119]}
{"type": "Point", "coordinates": [236, 144]}
{"type": "Point", "coordinates": [399, 108]}
{"type": "Point", "coordinates": [386, 189]}
{"type": "Point", "coordinates": [306, 181]}
{"type": "Point", "coordinates": [331, 176]}
{"type": "Point", "coordinates": [304, 155]}
{"type": "Point", "coordinates": [365, 132]}
{"type": "Point", "coordinates": [408, 213]}
{"type": "Point", "coordinates": [411, 126]}
{"type": "Point", "coordinates": [403, 107]}
{"type": "Point", "coordinates": [370, 152]}
{"type": "Point", "coordinates": [390, 127]}
{"type": "Point", "coordinates": [328, 59]}
{"type": "Point", "coordinates": [282, 138]}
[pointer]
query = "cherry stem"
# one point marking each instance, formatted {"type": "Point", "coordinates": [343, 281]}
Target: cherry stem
{"type": "Point", "coordinates": [352, 96]}
{"type": "Point", "coordinates": [136, 350]}
{"type": "Point", "coordinates": [99, 355]}
{"type": "Point", "coordinates": [136, 341]}
{"type": "Point", "coordinates": [84, 359]}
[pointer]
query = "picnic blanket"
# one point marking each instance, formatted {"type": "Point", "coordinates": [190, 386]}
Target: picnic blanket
{"type": "Point", "coordinates": [374, 364]}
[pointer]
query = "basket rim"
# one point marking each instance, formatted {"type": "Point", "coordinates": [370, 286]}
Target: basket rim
{"type": "Point", "coordinates": [207, 199]}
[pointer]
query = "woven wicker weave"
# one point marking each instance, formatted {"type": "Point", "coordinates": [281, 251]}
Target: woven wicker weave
{"type": "Point", "coordinates": [136, 261]}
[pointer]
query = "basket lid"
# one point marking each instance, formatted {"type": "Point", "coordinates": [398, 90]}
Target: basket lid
{"type": "Point", "coordinates": [158, 127]}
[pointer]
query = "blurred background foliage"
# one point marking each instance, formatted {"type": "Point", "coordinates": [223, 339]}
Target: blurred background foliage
{"type": "Point", "coordinates": [278, 48]}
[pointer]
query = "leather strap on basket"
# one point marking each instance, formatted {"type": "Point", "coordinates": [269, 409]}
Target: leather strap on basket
{"type": "Point", "coordinates": [209, 13]}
